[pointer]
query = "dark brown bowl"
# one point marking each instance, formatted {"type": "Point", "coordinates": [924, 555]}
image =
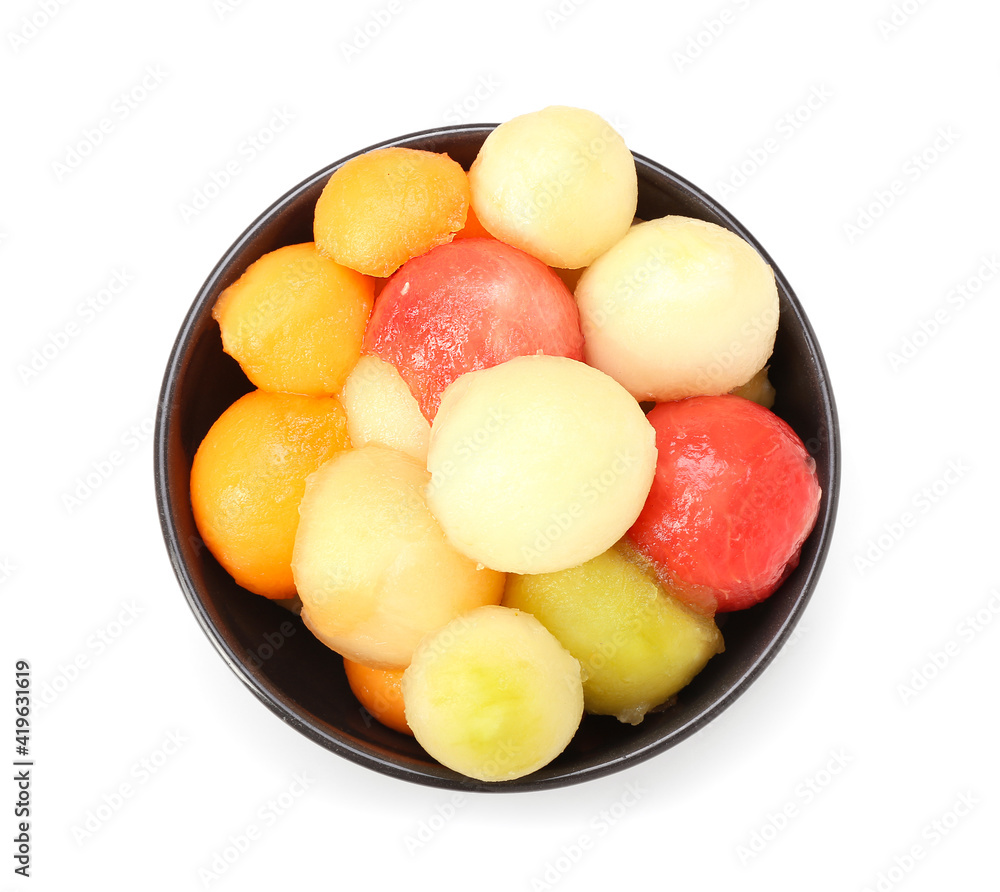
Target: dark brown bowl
{"type": "Point", "coordinates": [301, 680]}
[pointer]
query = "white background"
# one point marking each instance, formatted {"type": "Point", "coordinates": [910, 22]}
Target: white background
{"type": "Point", "coordinates": [900, 751]}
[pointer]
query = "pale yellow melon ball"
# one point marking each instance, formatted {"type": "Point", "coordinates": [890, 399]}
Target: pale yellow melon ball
{"type": "Point", "coordinates": [538, 464]}
{"type": "Point", "coordinates": [559, 183]}
{"type": "Point", "coordinates": [381, 409]}
{"type": "Point", "coordinates": [493, 695]}
{"type": "Point", "coordinates": [679, 307]}
{"type": "Point", "coordinates": [371, 564]}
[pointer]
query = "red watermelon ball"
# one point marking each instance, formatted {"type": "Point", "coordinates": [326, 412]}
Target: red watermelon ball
{"type": "Point", "coordinates": [470, 304]}
{"type": "Point", "coordinates": [734, 496]}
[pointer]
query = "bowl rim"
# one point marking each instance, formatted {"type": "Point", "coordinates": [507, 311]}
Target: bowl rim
{"type": "Point", "coordinates": [289, 711]}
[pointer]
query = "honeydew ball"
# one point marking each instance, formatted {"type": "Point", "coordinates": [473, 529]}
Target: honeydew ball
{"type": "Point", "coordinates": [371, 564]}
{"type": "Point", "coordinates": [638, 644]}
{"type": "Point", "coordinates": [385, 206]}
{"type": "Point", "coordinates": [679, 307]}
{"type": "Point", "coordinates": [381, 409]}
{"type": "Point", "coordinates": [559, 183]}
{"type": "Point", "coordinates": [493, 694]}
{"type": "Point", "coordinates": [538, 464]}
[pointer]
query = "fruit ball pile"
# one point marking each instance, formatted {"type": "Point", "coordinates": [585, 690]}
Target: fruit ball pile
{"type": "Point", "coordinates": [450, 460]}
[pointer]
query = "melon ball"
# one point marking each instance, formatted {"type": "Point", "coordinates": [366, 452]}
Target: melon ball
{"type": "Point", "coordinates": [679, 307]}
{"type": "Point", "coordinates": [734, 498]}
{"type": "Point", "coordinates": [295, 320]}
{"type": "Point", "coordinates": [387, 205]}
{"type": "Point", "coordinates": [381, 409]}
{"type": "Point", "coordinates": [380, 691]}
{"type": "Point", "coordinates": [248, 477]}
{"type": "Point", "coordinates": [493, 695]}
{"type": "Point", "coordinates": [538, 464]}
{"type": "Point", "coordinates": [371, 564]}
{"type": "Point", "coordinates": [758, 389]}
{"type": "Point", "coordinates": [559, 183]}
{"type": "Point", "coordinates": [638, 644]}
{"type": "Point", "coordinates": [469, 305]}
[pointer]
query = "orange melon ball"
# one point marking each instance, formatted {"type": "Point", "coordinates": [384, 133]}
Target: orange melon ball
{"type": "Point", "coordinates": [383, 207]}
{"type": "Point", "coordinates": [473, 227]}
{"type": "Point", "coordinates": [295, 320]}
{"type": "Point", "coordinates": [380, 692]}
{"type": "Point", "coordinates": [248, 477]}
{"type": "Point", "coordinates": [679, 307]}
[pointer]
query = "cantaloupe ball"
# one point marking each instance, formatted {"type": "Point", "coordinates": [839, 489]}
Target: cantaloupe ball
{"type": "Point", "coordinates": [381, 409]}
{"type": "Point", "coordinates": [380, 691]}
{"type": "Point", "coordinates": [383, 207]}
{"type": "Point", "coordinates": [559, 183]}
{"type": "Point", "coordinates": [295, 320]}
{"type": "Point", "coordinates": [473, 228]}
{"type": "Point", "coordinates": [493, 695]}
{"type": "Point", "coordinates": [679, 307]}
{"type": "Point", "coordinates": [538, 464]}
{"type": "Point", "coordinates": [372, 566]}
{"type": "Point", "coordinates": [248, 477]}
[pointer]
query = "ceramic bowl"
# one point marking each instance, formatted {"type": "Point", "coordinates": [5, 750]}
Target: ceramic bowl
{"type": "Point", "coordinates": [302, 681]}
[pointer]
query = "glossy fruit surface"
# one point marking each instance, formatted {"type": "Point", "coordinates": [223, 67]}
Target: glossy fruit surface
{"type": "Point", "coordinates": [470, 305]}
{"type": "Point", "coordinates": [734, 496]}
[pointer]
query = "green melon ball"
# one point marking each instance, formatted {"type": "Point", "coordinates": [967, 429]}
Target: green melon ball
{"type": "Point", "coordinates": [637, 644]}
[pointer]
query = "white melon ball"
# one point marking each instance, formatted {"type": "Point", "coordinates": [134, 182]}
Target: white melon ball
{"type": "Point", "coordinates": [679, 307]}
{"type": "Point", "coordinates": [538, 464]}
{"type": "Point", "coordinates": [371, 564]}
{"type": "Point", "coordinates": [559, 183]}
{"type": "Point", "coordinates": [381, 409]}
